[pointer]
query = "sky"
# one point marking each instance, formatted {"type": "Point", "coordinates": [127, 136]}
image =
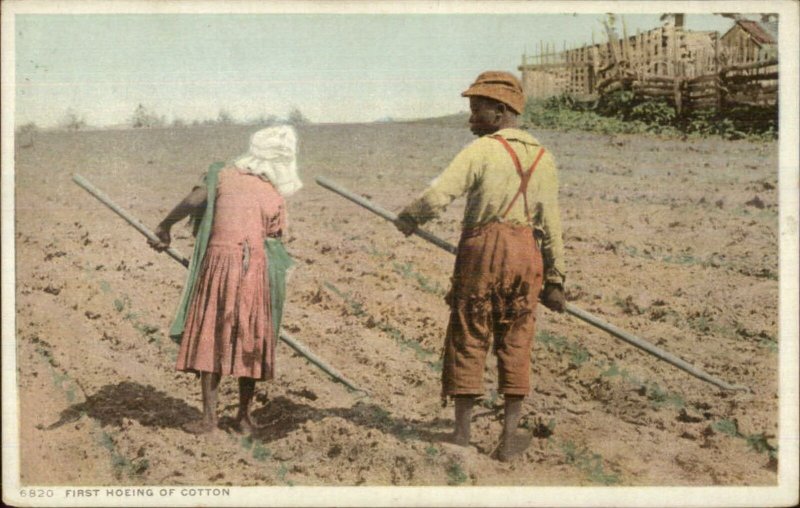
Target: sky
{"type": "Point", "coordinates": [332, 67]}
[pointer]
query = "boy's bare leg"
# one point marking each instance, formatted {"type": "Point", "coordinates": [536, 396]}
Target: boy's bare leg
{"type": "Point", "coordinates": [209, 383]}
{"type": "Point", "coordinates": [247, 388]}
{"type": "Point", "coordinates": [461, 432]}
{"type": "Point", "coordinates": [512, 444]}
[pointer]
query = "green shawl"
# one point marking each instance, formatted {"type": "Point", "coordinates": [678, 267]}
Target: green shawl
{"type": "Point", "coordinates": [278, 262]}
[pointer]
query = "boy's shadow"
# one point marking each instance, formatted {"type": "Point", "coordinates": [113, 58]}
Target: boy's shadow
{"type": "Point", "coordinates": [145, 404]}
{"type": "Point", "coordinates": [281, 416]}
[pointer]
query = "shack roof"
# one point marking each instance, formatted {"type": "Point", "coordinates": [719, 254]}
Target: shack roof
{"type": "Point", "coordinates": [760, 33]}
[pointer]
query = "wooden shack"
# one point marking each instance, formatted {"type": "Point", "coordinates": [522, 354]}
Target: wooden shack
{"type": "Point", "coordinates": [666, 51]}
{"type": "Point", "coordinates": [750, 41]}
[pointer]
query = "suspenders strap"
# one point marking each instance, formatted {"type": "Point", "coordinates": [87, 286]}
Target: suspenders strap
{"type": "Point", "coordinates": [524, 177]}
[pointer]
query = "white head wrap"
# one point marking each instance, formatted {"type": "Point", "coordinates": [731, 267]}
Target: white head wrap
{"type": "Point", "coordinates": [272, 156]}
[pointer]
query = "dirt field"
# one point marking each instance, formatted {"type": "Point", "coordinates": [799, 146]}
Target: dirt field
{"type": "Point", "coordinates": [674, 241]}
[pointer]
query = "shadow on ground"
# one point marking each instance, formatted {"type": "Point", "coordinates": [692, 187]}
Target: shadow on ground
{"type": "Point", "coordinates": [144, 404]}
{"type": "Point", "coordinates": [275, 420]}
{"type": "Point", "coordinates": [281, 416]}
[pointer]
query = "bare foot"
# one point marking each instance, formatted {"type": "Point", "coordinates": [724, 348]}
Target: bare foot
{"type": "Point", "coordinates": [458, 439]}
{"type": "Point", "coordinates": [513, 446]}
{"type": "Point", "coordinates": [244, 425]}
{"type": "Point", "coordinates": [201, 426]}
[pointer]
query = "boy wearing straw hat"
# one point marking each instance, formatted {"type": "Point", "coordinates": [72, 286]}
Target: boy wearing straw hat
{"type": "Point", "coordinates": [511, 250]}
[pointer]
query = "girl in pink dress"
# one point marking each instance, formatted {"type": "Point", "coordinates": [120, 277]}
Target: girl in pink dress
{"type": "Point", "coordinates": [225, 323]}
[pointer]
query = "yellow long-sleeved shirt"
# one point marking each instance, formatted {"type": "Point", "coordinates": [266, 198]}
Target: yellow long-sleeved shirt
{"type": "Point", "coordinates": [485, 171]}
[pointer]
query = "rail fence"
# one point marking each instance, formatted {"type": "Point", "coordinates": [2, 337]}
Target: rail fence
{"type": "Point", "coordinates": [753, 84]}
{"type": "Point", "coordinates": [690, 70]}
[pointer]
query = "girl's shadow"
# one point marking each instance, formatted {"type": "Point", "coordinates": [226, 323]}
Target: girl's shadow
{"type": "Point", "coordinates": [148, 406]}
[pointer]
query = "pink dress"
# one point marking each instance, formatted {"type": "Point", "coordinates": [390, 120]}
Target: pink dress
{"type": "Point", "coordinates": [229, 324]}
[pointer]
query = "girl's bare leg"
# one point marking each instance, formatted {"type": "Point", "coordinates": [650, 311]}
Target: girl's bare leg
{"type": "Point", "coordinates": [247, 388]}
{"type": "Point", "coordinates": [209, 382]}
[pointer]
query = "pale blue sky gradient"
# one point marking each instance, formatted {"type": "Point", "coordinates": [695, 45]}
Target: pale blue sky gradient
{"type": "Point", "coordinates": [333, 67]}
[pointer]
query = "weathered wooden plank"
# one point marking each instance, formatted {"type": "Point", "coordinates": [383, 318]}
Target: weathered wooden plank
{"type": "Point", "coordinates": [661, 79]}
{"type": "Point", "coordinates": [753, 65]}
{"type": "Point", "coordinates": [693, 98]}
{"type": "Point", "coordinates": [753, 88]}
{"type": "Point", "coordinates": [654, 93]}
{"type": "Point", "coordinates": [767, 101]}
{"type": "Point", "coordinates": [704, 104]}
{"type": "Point", "coordinates": [692, 92]}
{"type": "Point", "coordinates": [702, 79]}
{"type": "Point", "coordinates": [612, 86]}
{"type": "Point", "coordinates": [752, 77]}
{"type": "Point", "coordinates": [652, 84]}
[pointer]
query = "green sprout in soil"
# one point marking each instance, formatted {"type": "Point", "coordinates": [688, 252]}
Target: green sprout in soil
{"type": "Point", "coordinates": [455, 474]}
{"type": "Point", "coordinates": [661, 398]}
{"type": "Point", "coordinates": [589, 463]}
{"type": "Point", "coordinates": [770, 344]}
{"type": "Point", "coordinates": [282, 471]}
{"type": "Point", "coordinates": [357, 308]}
{"type": "Point", "coordinates": [406, 270]}
{"type": "Point", "coordinates": [260, 453]}
{"type": "Point", "coordinates": [577, 353]}
{"type": "Point", "coordinates": [122, 465]}
{"type": "Point", "coordinates": [759, 443]}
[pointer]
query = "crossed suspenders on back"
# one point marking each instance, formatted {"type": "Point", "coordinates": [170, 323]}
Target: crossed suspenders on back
{"type": "Point", "coordinates": [524, 177]}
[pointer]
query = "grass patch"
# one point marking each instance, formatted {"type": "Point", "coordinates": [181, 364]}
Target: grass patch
{"type": "Point", "coordinates": [589, 463]}
{"type": "Point", "coordinates": [455, 474]}
{"type": "Point", "coordinates": [122, 304]}
{"type": "Point", "coordinates": [407, 271]}
{"type": "Point", "coordinates": [660, 397]}
{"type": "Point", "coordinates": [578, 355]}
{"type": "Point", "coordinates": [261, 453]}
{"type": "Point", "coordinates": [650, 389]}
{"type": "Point", "coordinates": [123, 467]}
{"type": "Point", "coordinates": [282, 471]}
{"type": "Point", "coordinates": [758, 443]}
{"type": "Point", "coordinates": [770, 344]}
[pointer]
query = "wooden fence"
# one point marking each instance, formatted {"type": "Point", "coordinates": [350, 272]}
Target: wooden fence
{"type": "Point", "coordinates": [753, 84]}
{"type": "Point", "coordinates": [691, 70]}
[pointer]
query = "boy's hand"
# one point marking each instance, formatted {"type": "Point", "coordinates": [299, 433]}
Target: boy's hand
{"type": "Point", "coordinates": [553, 297]}
{"type": "Point", "coordinates": [405, 223]}
{"type": "Point", "coordinates": [164, 239]}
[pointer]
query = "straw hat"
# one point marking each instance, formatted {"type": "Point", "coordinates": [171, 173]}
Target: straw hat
{"type": "Point", "coordinates": [500, 86]}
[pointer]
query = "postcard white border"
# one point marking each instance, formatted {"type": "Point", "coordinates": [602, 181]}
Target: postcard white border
{"type": "Point", "coordinates": [785, 494]}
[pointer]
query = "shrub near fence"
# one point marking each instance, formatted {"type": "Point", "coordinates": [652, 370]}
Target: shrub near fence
{"type": "Point", "coordinates": [627, 113]}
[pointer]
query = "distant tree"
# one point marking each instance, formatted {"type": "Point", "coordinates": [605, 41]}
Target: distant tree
{"type": "Point", "coordinates": [26, 134]}
{"type": "Point", "coordinates": [27, 127]}
{"type": "Point", "coordinates": [178, 123]}
{"type": "Point", "coordinates": [72, 121]}
{"type": "Point", "coordinates": [144, 119]}
{"type": "Point", "coordinates": [224, 118]}
{"type": "Point", "coordinates": [266, 120]}
{"type": "Point", "coordinates": [296, 117]}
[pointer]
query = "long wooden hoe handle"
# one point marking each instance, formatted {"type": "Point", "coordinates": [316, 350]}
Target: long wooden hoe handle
{"type": "Point", "coordinates": [569, 308]}
{"type": "Point", "coordinates": [177, 256]}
